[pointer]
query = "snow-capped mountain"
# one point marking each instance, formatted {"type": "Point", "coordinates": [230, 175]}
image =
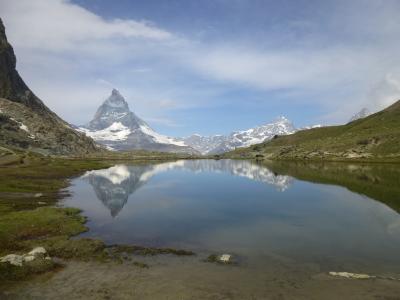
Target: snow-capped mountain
{"type": "Point", "coordinates": [310, 127]}
{"type": "Point", "coordinates": [218, 144]}
{"type": "Point", "coordinates": [116, 127]}
{"type": "Point", "coordinates": [361, 114]}
{"type": "Point", "coordinates": [205, 144]}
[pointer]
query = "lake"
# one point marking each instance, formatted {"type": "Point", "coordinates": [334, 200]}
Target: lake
{"type": "Point", "coordinates": [302, 216]}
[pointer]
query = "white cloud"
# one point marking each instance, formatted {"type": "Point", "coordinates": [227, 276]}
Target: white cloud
{"type": "Point", "coordinates": [59, 25]}
{"type": "Point", "coordinates": [269, 70]}
{"type": "Point", "coordinates": [384, 93]}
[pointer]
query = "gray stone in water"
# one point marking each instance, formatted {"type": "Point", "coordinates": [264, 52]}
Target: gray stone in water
{"type": "Point", "coordinates": [351, 275]}
{"type": "Point", "coordinates": [225, 258]}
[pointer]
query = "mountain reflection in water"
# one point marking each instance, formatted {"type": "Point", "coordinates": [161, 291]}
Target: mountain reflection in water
{"type": "Point", "coordinates": [114, 185]}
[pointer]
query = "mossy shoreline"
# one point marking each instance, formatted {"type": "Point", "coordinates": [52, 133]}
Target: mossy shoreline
{"type": "Point", "coordinates": [29, 217]}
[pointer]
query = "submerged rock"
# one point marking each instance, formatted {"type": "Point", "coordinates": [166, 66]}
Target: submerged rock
{"type": "Point", "coordinates": [225, 258]}
{"type": "Point", "coordinates": [221, 259]}
{"type": "Point", "coordinates": [351, 275]}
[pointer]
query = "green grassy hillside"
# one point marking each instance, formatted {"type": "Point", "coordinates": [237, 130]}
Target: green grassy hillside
{"type": "Point", "coordinates": [376, 137]}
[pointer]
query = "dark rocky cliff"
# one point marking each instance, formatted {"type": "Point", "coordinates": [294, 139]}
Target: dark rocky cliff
{"type": "Point", "coordinates": [25, 121]}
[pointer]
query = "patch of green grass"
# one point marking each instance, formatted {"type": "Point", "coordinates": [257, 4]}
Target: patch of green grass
{"type": "Point", "coordinates": [213, 258]}
{"type": "Point", "coordinates": [10, 272]}
{"type": "Point", "coordinates": [32, 225]}
{"type": "Point", "coordinates": [82, 248]}
{"type": "Point", "coordinates": [147, 251]}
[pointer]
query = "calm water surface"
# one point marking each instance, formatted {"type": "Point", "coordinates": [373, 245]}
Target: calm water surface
{"type": "Point", "coordinates": [259, 213]}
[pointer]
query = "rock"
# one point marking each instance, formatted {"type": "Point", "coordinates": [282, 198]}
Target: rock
{"type": "Point", "coordinates": [38, 251]}
{"type": "Point", "coordinates": [221, 259]}
{"type": "Point", "coordinates": [18, 260]}
{"type": "Point", "coordinates": [225, 258]}
{"type": "Point", "coordinates": [38, 195]}
{"type": "Point", "coordinates": [13, 259]}
{"type": "Point", "coordinates": [351, 275]}
{"type": "Point", "coordinates": [42, 203]}
{"type": "Point", "coordinates": [29, 257]}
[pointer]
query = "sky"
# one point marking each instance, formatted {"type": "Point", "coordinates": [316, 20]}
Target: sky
{"type": "Point", "coordinates": [209, 66]}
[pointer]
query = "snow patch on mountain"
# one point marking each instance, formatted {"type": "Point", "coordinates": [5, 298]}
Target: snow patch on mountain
{"type": "Point", "coordinates": [159, 138]}
{"type": "Point", "coordinates": [217, 144]}
{"type": "Point", "coordinates": [311, 127]}
{"type": "Point", "coordinates": [115, 132]}
{"type": "Point", "coordinates": [280, 126]}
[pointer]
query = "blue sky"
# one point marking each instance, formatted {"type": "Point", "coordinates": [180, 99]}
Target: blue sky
{"type": "Point", "coordinates": [210, 66]}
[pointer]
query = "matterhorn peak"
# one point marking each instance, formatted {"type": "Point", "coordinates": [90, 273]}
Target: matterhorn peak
{"type": "Point", "coordinates": [118, 128]}
{"type": "Point", "coordinates": [116, 100]}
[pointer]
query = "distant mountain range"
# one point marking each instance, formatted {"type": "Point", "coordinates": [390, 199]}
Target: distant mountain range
{"type": "Point", "coordinates": [118, 128]}
{"type": "Point", "coordinates": [218, 144]}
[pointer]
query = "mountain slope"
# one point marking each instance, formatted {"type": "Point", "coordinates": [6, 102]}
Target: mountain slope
{"type": "Point", "coordinates": [116, 127]}
{"type": "Point", "coordinates": [219, 143]}
{"type": "Point", "coordinates": [374, 137]}
{"type": "Point", "coordinates": [25, 121]}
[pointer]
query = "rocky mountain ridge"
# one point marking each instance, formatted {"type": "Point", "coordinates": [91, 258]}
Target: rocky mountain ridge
{"type": "Point", "coordinates": [25, 121]}
{"type": "Point", "coordinates": [218, 144]}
